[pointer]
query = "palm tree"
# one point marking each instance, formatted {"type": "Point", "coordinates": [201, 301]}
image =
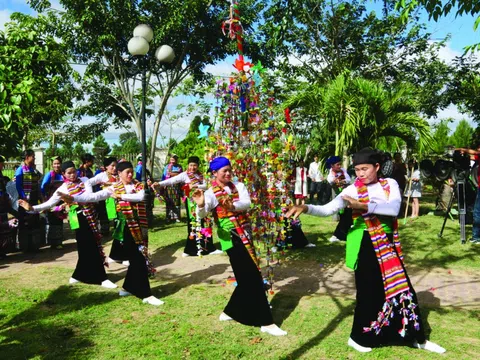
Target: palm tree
{"type": "Point", "coordinates": [357, 112]}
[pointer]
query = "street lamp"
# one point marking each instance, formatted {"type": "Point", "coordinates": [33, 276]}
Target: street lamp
{"type": "Point", "coordinates": [138, 47]}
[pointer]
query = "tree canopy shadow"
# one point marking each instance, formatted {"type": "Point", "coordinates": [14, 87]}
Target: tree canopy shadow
{"type": "Point", "coordinates": [44, 254]}
{"type": "Point", "coordinates": [344, 311]}
{"type": "Point", "coordinates": [176, 282]}
{"type": "Point", "coordinates": [40, 332]}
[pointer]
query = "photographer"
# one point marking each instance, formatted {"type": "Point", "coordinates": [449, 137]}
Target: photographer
{"type": "Point", "coordinates": [475, 155]}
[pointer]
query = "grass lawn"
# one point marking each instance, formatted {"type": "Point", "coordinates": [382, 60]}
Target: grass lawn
{"type": "Point", "coordinates": [42, 317]}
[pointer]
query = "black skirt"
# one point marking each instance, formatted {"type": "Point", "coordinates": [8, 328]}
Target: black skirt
{"type": "Point", "coordinates": [90, 268]}
{"type": "Point", "coordinates": [54, 229]}
{"type": "Point", "coordinates": [117, 252]}
{"type": "Point", "coordinates": [344, 224]}
{"type": "Point", "coordinates": [31, 233]}
{"type": "Point", "coordinates": [296, 237]}
{"type": "Point", "coordinates": [248, 304]}
{"type": "Point", "coordinates": [136, 282]}
{"type": "Point", "coordinates": [191, 244]}
{"type": "Point", "coordinates": [370, 299]}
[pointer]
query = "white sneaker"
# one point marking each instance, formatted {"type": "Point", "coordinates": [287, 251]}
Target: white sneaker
{"type": "Point", "coordinates": [273, 330]}
{"type": "Point", "coordinates": [430, 346]}
{"type": "Point", "coordinates": [124, 293]}
{"type": "Point", "coordinates": [333, 239]}
{"type": "Point", "coordinates": [126, 263]}
{"type": "Point", "coordinates": [110, 260]}
{"type": "Point", "coordinates": [176, 220]}
{"type": "Point", "coordinates": [185, 255]}
{"type": "Point", "coordinates": [310, 245]}
{"type": "Point", "coordinates": [216, 252]}
{"type": "Point", "coordinates": [73, 281]}
{"type": "Point", "coordinates": [358, 347]}
{"type": "Point", "coordinates": [224, 317]}
{"type": "Point", "coordinates": [108, 284]}
{"type": "Point", "coordinates": [152, 300]}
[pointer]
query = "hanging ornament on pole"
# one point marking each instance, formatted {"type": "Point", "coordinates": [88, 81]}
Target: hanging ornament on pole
{"type": "Point", "coordinates": [254, 137]}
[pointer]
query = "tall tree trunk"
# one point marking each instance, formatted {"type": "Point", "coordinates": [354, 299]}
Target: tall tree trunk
{"type": "Point", "coordinates": [25, 139]}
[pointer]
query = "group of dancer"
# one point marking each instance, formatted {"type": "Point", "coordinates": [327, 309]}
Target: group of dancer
{"type": "Point", "coordinates": [386, 311]}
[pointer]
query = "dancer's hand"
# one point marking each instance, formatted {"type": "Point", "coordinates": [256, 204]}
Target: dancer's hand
{"type": "Point", "coordinates": [227, 203]}
{"type": "Point", "coordinates": [296, 210]}
{"type": "Point", "coordinates": [198, 197]}
{"type": "Point", "coordinates": [24, 204]}
{"type": "Point", "coordinates": [355, 204]}
{"type": "Point", "coordinates": [116, 196]}
{"type": "Point", "coordinates": [66, 198]}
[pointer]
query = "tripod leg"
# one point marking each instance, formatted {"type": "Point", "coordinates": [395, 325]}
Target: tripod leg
{"type": "Point", "coordinates": [447, 213]}
{"type": "Point", "coordinates": [462, 208]}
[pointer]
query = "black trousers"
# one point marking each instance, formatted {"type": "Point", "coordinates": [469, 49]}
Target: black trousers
{"type": "Point", "coordinates": [90, 268]}
{"type": "Point", "coordinates": [136, 281]}
{"type": "Point", "coordinates": [370, 299]}
{"type": "Point", "coordinates": [248, 304]}
{"type": "Point", "coordinates": [318, 189]}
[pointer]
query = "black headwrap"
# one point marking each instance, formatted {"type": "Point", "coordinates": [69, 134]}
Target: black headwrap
{"type": "Point", "coordinates": [107, 161]}
{"type": "Point", "coordinates": [367, 156]}
{"type": "Point", "coordinates": [194, 159]}
{"type": "Point", "coordinates": [67, 165]}
{"type": "Point", "coordinates": [2, 158]}
{"type": "Point", "coordinates": [124, 165]}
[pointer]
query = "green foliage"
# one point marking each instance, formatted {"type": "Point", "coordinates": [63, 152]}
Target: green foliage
{"type": "Point", "coordinates": [462, 136]}
{"type": "Point", "coordinates": [464, 87]}
{"type": "Point", "coordinates": [36, 80]}
{"type": "Point", "coordinates": [438, 8]}
{"type": "Point", "coordinates": [440, 136]}
{"type": "Point", "coordinates": [101, 143]}
{"type": "Point", "coordinates": [357, 112]}
{"type": "Point", "coordinates": [191, 145]}
{"type": "Point", "coordinates": [97, 33]}
{"type": "Point", "coordinates": [128, 144]}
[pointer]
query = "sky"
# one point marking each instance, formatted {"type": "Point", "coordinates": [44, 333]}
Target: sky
{"type": "Point", "coordinates": [459, 28]}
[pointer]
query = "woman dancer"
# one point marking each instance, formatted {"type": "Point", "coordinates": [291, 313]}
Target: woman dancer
{"type": "Point", "coordinates": [172, 193]}
{"type": "Point", "coordinates": [83, 218]}
{"type": "Point", "coordinates": [85, 170]}
{"type": "Point", "coordinates": [339, 179]}
{"type": "Point", "coordinates": [131, 230]}
{"type": "Point", "coordinates": [228, 202]}
{"type": "Point", "coordinates": [387, 309]}
{"type": "Point", "coordinates": [31, 235]}
{"type": "Point", "coordinates": [108, 207]}
{"type": "Point", "coordinates": [199, 236]}
{"type": "Point", "coordinates": [51, 182]}
{"type": "Point", "coordinates": [7, 235]}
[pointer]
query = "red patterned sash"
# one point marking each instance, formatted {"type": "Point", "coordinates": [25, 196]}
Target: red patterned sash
{"type": "Point", "coordinates": [238, 220]}
{"type": "Point", "coordinates": [77, 187]}
{"type": "Point", "coordinates": [393, 276]}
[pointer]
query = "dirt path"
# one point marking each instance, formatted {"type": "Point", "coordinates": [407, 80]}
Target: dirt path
{"type": "Point", "coordinates": [439, 287]}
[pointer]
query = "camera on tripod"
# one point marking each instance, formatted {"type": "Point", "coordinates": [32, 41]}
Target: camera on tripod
{"type": "Point", "coordinates": [464, 178]}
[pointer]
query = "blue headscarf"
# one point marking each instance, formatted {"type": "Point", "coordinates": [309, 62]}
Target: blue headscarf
{"type": "Point", "coordinates": [333, 160]}
{"type": "Point", "coordinates": [218, 163]}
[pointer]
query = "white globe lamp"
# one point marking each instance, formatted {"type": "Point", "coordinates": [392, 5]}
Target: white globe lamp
{"type": "Point", "coordinates": [138, 46]}
{"type": "Point", "coordinates": [165, 54]}
{"type": "Point", "coordinates": [144, 31]}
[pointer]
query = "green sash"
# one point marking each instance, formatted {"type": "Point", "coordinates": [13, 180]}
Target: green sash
{"type": "Point", "coordinates": [355, 235]}
{"type": "Point", "coordinates": [73, 217]}
{"type": "Point", "coordinates": [223, 232]}
{"type": "Point", "coordinates": [111, 208]}
{"type": "Point", "coordinates": [121, 222]}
